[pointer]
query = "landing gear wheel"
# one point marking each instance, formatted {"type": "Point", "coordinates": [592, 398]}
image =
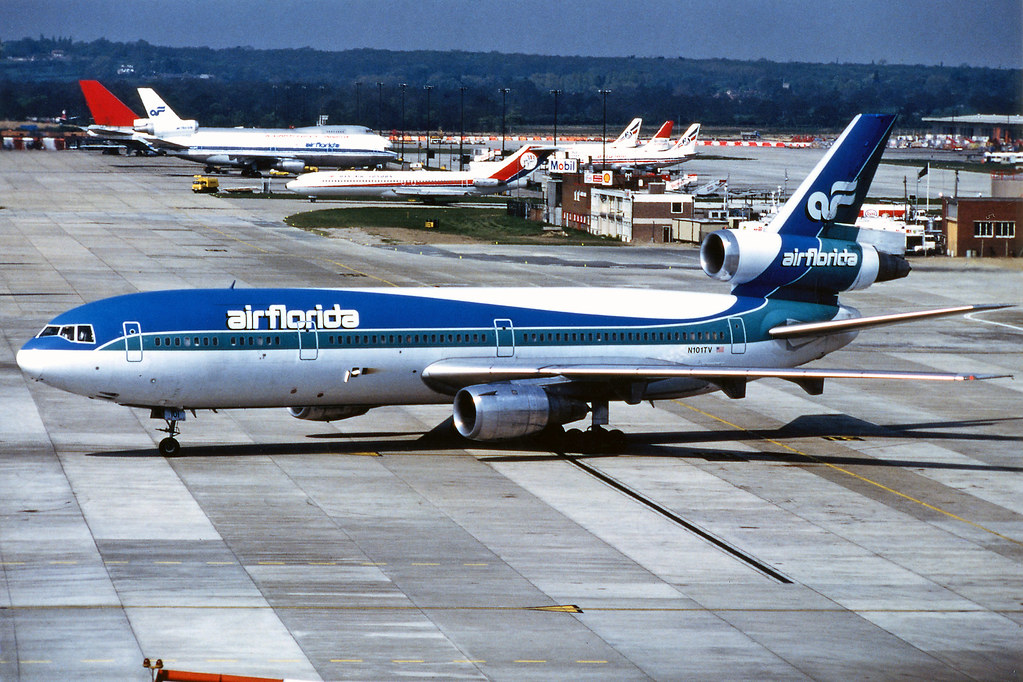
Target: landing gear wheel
{"type": "Point", "coordinates": [169, 447]}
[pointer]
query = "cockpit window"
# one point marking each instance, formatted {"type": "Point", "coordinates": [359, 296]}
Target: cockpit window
{"type": "Point", "coordinates": [76, 333]}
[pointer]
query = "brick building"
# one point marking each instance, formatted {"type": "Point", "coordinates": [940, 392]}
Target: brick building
{"type": "Point", "coordinates": [983, 226]}
{"type": "Point", "coordinates": [631, 209]}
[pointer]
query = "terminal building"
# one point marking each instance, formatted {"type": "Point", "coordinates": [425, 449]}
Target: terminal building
{"type": "Point", "coordinates": [1006, 129]}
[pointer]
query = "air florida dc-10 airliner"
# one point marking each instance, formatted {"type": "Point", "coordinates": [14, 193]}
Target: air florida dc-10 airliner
{"type": "Point", "coordinates": [513, 362]}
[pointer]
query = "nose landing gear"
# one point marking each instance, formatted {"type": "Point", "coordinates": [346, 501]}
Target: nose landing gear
{"type": "Point", "coordinates": [169, 446]}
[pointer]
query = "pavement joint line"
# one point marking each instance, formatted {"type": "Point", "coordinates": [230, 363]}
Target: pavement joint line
{"type": "Point", "coordinates": [853, 474]}
{"type": "Point", "coordinates": [464, 607]}
{"type": "Point", "coordinates": [729, 548]}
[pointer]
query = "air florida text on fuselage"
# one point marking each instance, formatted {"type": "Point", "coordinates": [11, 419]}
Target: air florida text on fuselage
{"type": "Point", "coordinates": [279, 316]}
{"type": "Point", "coordinates": [817, 257]}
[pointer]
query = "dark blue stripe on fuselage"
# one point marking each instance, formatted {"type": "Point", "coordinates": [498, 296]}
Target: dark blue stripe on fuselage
{"type": "Point", "coordinates": [185, 312]}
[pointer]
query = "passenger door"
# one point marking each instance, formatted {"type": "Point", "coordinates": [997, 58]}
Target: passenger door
{"type": "Point", "coordinates": [132, 341]}
{"type": "Point", "coordinates": [505, 334]}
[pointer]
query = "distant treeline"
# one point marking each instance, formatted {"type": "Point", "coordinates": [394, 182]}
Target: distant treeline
{"type": "Point", "coordinates": [248, 86]}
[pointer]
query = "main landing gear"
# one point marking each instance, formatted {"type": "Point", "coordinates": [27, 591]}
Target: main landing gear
{"type": "Point", "coordinates": [169, 446]}
{"type": "Point", "coordinates": [595, 439]}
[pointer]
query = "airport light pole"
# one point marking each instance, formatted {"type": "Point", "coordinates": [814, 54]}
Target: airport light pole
{"type": "Point", "coordinates": [555, 93]}
{"type": "Point", "coordinates": [461, 124]}
{"type": "Point", "coordinates": [603, 137]}
{"type": "Point", "coordinates": [380, 106]}
{"type": "Point", "coordinates": [403, 86]}
{"type": "Point", "coordinates": [428, 88]}
{"type": "Point", "coordinates": [504, 100]}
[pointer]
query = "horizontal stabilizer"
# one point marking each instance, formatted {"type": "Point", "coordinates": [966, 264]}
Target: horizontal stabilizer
{"type": "Point", "coordinates": [795, 330]}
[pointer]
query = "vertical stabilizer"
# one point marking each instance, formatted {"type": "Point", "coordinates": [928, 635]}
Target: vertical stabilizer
{"type": "Point", "coordinates": [661, 139]}
{"type": "Point", "coordinates": [629, 136]}
{"type": "Point", "coordinates": [687, 143]}
{"type": "Point", "coordinates": [104, 106]}
{"type": "Point", "coordinates": [521, 163]}
{"type": "Point", "coordinates": [835, 190]}
{"type": "Point", "coordinates": [156, 108]}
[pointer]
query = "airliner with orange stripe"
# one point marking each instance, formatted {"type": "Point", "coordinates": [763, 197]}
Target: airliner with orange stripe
{"type": "Point", "coordinates": [489, 177]}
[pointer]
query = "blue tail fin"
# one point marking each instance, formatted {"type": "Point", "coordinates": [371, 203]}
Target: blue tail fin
{"type": "Point", "coordinates": [810, 251]}
{"type": "Point", "coordinates": [833, 193]}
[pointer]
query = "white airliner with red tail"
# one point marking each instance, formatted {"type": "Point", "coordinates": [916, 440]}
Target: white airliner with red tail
{"type": "Point", "coordinates": [483, 177]}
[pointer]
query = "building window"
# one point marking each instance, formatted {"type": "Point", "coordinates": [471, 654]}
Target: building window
{"type": "Point", "coordinates": [1005, 229]}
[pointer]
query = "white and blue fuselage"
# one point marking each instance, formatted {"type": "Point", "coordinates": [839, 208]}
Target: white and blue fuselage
{"type": "Point", "coordinates": [237, 348]}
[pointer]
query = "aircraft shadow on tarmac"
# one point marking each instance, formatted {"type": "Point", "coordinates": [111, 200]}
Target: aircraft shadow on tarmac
{"type": "Point", "coordinates": [442, 440]}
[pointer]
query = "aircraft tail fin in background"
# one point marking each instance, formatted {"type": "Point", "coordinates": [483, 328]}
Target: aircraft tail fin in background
{"type": "Point", "coordinates": [629, 136]}
{"type": "Point", "coordinates": [664, 132]}
{"type": "Point", "coordinates": [106, 109]}
{"type": "Point", "coordinates": [162, 119]}
{"type": "Point", "coordinates": [520, 164]}
{"type": "Point", "coordinates": [661, 139]}
{"type": "Point", "coordinates": [156, 108]}
{"type": "Point", "coordinates": [687, 143]}
{"type": "Point", "coordinates": [834, 191]}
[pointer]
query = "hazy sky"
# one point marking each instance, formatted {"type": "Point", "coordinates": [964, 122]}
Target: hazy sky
{"type": "Point", "coordinates": [953, 32]}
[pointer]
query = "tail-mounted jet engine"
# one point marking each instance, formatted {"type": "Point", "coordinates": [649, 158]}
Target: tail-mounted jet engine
{"type": "Point", "coordinates": [152, 126]}
{"type": "Point", "coordinates": [501, 411]}
{"type": "Point", "coordinates": [780, 260]}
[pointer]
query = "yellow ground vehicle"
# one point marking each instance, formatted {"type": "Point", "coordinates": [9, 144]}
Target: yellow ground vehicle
{"type": "Point", "coordinates": [204, 184]}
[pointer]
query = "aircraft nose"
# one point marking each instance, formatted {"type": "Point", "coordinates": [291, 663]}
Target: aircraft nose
{"type": "Point", "coordinates": [31, 363]}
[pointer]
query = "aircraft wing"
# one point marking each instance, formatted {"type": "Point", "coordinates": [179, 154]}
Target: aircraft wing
{"type": "Point", "coordinates": [453, 374]}
{"type": "Point", "coordinates": [163, 143]}
{"type": "Point", "coordinates": [432, 192]}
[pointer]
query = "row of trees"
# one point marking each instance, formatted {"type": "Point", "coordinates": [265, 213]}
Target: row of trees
{"type": "Point", "coordinates": [245, 86]}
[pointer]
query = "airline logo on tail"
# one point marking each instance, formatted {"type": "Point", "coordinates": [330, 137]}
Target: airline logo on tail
{"type": "Point", "coordinates": [157, 111]}
{"type": "Point", "coordinates": [837, 186]}
{"type": "Point", "coordinates": [528, 161]}
{"type": "Point", "coordinates": [821, 208]}
{"type": "Point", "coordinates": [521, 163]}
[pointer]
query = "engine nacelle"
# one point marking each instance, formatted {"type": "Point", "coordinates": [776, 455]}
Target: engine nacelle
{"type": "Point", "coordinates": [152, 126]}
{"type": "Point", "coordinates": [486, 182]}
{"type": "Point", "coordinates": [777, 260]}
{"type": "Point", "coordinates": [502, 411]}
{"type": "Point", "coordinates": [328, 413]}
{"type": "Point", "coordinates": [295, 166]}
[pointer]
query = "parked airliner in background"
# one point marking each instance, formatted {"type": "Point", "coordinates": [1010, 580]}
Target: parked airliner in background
{"type": "Point", "coordinates": [655, 154]}
{"type": "Point", "coordinates": [513, 362]}
{"type": "Point", "coordinates": [112, 118]}
{"type": "Point", "coordinates": [483, 177]}
{"type": "Point", "coordinates": [256, 149]}
{"type": "Point", "coordinates": [629, 139]}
